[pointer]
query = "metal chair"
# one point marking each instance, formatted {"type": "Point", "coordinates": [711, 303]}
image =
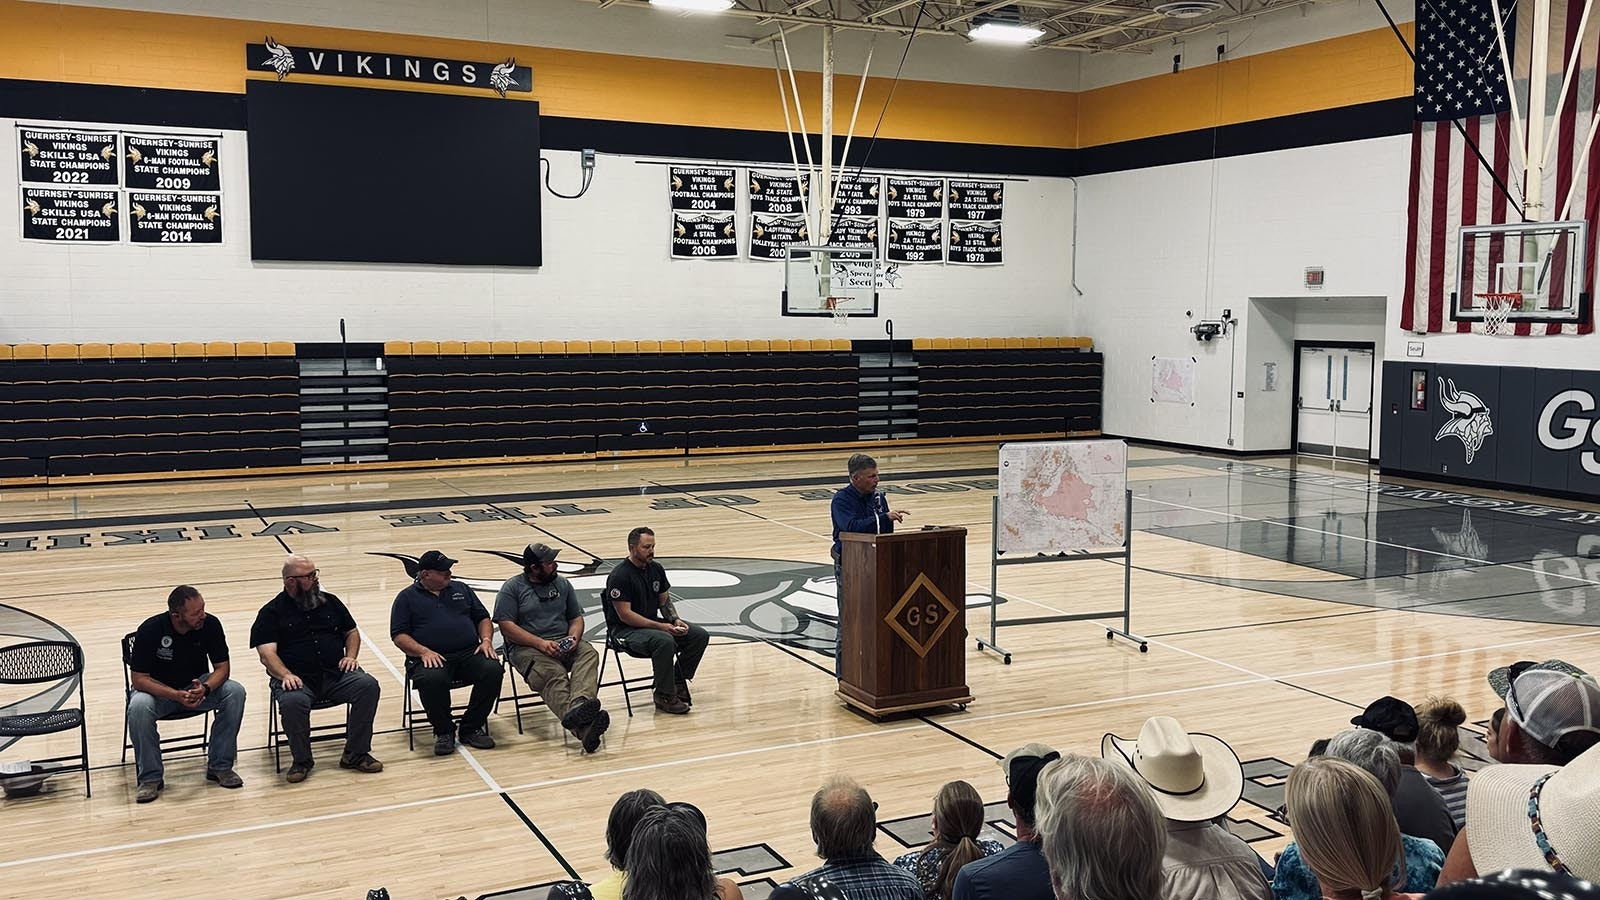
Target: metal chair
{"type": "Point", "coordinates": [629, 685]}
{"type": "Point", "coordinates": [275, 736]}
{"type": "Point", "coordinates": [412, 709]}
{"type": "Point", "coordinates": [37, 662]}
{"type": "Point", "coordinates": [179, 744]}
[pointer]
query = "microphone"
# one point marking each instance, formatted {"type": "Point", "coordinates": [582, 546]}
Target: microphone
{"type": "Point", "coordinates": [880, 507]}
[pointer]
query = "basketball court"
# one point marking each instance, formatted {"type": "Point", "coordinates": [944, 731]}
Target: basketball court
{"type": "Point", "coordinates": [1278, 597]}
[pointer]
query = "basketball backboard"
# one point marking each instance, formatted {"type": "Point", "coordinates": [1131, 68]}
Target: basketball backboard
{"type": "Point", "coordinates": [1536, 269]}
{"type": "Point", "coordinates": [831, 281]}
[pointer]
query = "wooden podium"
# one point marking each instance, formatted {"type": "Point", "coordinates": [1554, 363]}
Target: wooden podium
{"type": "Point", "coordinates": [902, 618]}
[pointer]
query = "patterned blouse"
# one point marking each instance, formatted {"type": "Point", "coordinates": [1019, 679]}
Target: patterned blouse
{"type": "Point", "coordinates": [925, 865]}
{"type": "Point", "coordinates": [1294, 881]}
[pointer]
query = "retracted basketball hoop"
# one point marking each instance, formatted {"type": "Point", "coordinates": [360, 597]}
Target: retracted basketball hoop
{"type": "Point", "coordinates": [1497, 307]}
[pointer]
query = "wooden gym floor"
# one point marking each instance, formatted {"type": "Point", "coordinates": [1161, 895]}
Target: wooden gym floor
{"type": "Point", "coordinates": [1278, 601]}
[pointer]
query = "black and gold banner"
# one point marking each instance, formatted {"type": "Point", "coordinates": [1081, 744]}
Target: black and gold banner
{"type": "Point", "coordinates": [68, 156]}
{"type": "Point", "coordinates": [915, 241]}
{"type": "Point", "coordinates": [975, 243]}
{"type": "Point", "coordinates": [174, 218]}
{"type": "Point", "coordinates": [778, 195]}
{"type": "Point", "coordinates": [770, 236]}
{"type": "Point", "coordinates": [855, 231]}
{"type": "Point", "coordinates": [70, 216]}
{"type": "Point", "coordinates": [975, 200]}
{"type": "Point", "coordinates": [171, 162]}
{"type": "Point", "coordinates": [915, 198]}
{"type": "Point", "coordinates": [704, 236]}
{"type": "Point", "coordinates": [858, 195]}
{"type": "Point", "coordinates": [703, 189]}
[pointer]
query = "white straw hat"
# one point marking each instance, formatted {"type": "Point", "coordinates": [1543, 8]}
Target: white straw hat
{"type": "Point", "coordinates": [1505, 821]}
{"type": "Point", "coordinates": [1194, 777]}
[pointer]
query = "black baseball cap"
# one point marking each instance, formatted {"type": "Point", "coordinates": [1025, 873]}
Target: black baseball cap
{"type": "Point", "coordinates": [538, 553]}
{"type": "Point", "coordinates": [1392, 717]}
{"type": "Point", "coordinates": [1022, 767]}
{"type": "Point", "coordinates": [436, 561]}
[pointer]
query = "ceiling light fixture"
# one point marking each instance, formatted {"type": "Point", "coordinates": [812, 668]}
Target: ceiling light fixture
{"type": "Point", "coordinates": [694, 5]}
{"type": "Point", "coordinates": [1188, 9]}
{"type": "Point", "coordinates": [998, 32]}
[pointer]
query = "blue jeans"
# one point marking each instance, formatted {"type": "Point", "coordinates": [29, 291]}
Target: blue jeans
{"type": "Point", "coordinates": [145, 709]}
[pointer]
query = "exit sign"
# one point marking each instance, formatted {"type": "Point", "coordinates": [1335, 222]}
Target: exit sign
{"type": "Point", "coordinates": [1314, 277]}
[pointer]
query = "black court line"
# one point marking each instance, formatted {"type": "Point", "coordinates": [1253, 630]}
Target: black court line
{"type": "Point", "coordinates": [1301, 687]}
{"type": "Point", "coordinates": [718, 487]}
{"type": "Point", "coordinates": [541, 836]}
{"type": "Point", "coordinates": [547, 533]}
{"type": "Point", "coordinates": [265, 523]}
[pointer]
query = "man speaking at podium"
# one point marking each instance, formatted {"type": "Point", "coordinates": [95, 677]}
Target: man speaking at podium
{"type": "Point", "coordinates": [859, 507]}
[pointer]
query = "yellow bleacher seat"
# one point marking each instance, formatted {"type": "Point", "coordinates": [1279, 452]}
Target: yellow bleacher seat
{"type": "Point", "coordinates": [982, 343]}
{"type": "Point", "coordinates": [733, 346]}
{"type": "Point", "coordinates": [478, 348]}
{"type": "Point", "coordinates": [626, 347]}
{"type": "Point", "coordinates": [577, 347]}
{"type": "Point", "coordinates": [534, 348]}
{"type": "Point", "coordinates": [672, 346]}
{"type": "Point", "coordinates": [424, 348]}
{"type": "Point", "coordinates": [922, 343]}
{"type": "Point", "coordinates": [1010, 343]}
{"type": "Point", "coordinates": [28, 351]}
{"type": "Point", "coordinates": [941, 343]}
{"type": "Point", "coordinates": [94, 351]}
{"type": "Point", "coordinates": [188, 350]}
{"type": "Point", "coordinates": [250, 349]}
{"type": "Point", "coordinates": [961, 343]}
{"type": "Point", "coordinates": [779, 345]}
{"type": "Point", "coordinates": [1032, 343]}
{"type": "Point", "coordinates": [649, 346]}
{"type": "Point", "coordinates": [1050, 343]}
{"type": "Point", "coordinates": [157, 350]}
{"type": "Point", "coordinates": [126, 350]}
{"type": "Point", "coordinates": [803, 345]}
{"type": "Point", "coordinates": [280, 348]}
{"type": "Point", "coordinates": [396, 348]}
{"type": "Point", "coordinates": [839, 345]}
{"type": "Point", "coordinates": [452, 348]}
{"type": "Point", "coordinates": [552, 348]}
{"type": "Point", "coordinates": [503, 348]}
{"type": "Point", "coordinates": [219, 350]}
{"type": "Point", "coordinates": [5, 351]}
{"type": "Point", "coordinates": [1078, 342]}
{"type": "Point", "coordinates": [757, 345]}
{"type": "Point", "coordinates": [694, 346]}
{"type": "Point", "coordinates": [61, 351]}
{"type": "Point", "coordinates": [601, 347]}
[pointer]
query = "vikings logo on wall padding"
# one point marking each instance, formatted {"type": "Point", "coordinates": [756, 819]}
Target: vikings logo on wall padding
{"type": "Point", "coordinates": [1469, 418]}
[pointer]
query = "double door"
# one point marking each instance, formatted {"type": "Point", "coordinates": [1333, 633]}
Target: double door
{"type": "Point", "coordinates": [1333, 406]}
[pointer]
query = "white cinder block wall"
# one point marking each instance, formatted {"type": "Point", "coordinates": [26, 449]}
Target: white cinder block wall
{"type": "Point", "coordinates": [607, 274]}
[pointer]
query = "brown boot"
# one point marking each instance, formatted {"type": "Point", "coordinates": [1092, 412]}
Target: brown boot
{"type": "Point", "coordinates": [669, 703]}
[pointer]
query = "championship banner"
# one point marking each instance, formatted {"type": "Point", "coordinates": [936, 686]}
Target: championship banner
{"type": "Point", "coordinates": [915, 241]}
{"type": "Point", "coordinates": [67, 157]}
{"type": "Point", "coordinates": [915, 198]}
{"type": "Point", "coordinates": [854, 231]}
{"type": "Point", "coordinates": [971, 200]}
{"type": "Point", "coordinates": [154, 162]}
{"type": "Point", "coordinates": [975, 243]}
{"type": "Point", "coordinates": [702, 189]}
{"type": "Point", "coordinates": [857, 195]}
{"type": "Point", "coordinates": [770, 236]}
{"type": "Point", "coordinates": [704, 236]}
{"type": "Point", "coordinates": [74, 217]}
{"type": "Point", "coordinates": [174, 218]}
{"type": "Point", "coordinates": [778, 195]}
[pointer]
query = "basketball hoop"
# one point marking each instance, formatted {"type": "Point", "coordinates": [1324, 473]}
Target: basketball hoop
{"type": "Point", "coordinates": [1497, 307]}
{"type": "Point", "coordinates": [835, 307]}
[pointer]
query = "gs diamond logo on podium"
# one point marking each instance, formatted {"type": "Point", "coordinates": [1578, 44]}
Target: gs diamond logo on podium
{"type": "Point", "coordinates": [921, 615]}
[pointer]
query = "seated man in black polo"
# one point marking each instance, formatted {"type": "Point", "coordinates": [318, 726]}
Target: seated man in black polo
{"type": "Point", "coordinates": [446, 635]}
{"type": "Point", "coordinates": [640, 615]}
{"type": "Point", "coordinates": [308, 642]}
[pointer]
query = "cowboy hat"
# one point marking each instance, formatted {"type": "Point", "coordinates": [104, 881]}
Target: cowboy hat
{"type": "Point", "coordinates": [1194, 777]}
{"type": "Point", "coordinates": [1502, 810]}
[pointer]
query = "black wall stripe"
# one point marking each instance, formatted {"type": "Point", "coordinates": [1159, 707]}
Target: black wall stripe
{"type": "Point", "coordinates": [40, 100]}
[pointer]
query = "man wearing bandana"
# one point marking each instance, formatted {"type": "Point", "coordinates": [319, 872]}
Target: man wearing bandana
{"type": "Point", "coordinates": [308, 643]}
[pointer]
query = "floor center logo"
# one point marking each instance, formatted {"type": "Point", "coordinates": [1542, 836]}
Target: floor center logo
{"type": "Point", "coordinates": [1469, 417]}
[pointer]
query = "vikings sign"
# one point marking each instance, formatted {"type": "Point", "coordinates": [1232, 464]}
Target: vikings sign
{"type": "Point", "coordinates": [1469, 418]}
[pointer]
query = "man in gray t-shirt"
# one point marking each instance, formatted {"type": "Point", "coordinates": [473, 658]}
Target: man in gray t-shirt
{"type": "Point", "coordinates": [542, 624]}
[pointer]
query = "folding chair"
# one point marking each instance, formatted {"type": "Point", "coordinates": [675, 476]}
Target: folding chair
{"type": "Point", "coordinates": [412, 710]}
{"type": "Point", "coordinates": [37, 662]}
{"type": "Point", "coordinates": [629, 685]}
{"type": "Point", "coordinates": [179, 744]}
{"type": "Point", "coordinates": [275, 736]}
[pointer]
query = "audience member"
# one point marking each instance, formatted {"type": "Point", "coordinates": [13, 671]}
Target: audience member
{"type": "Point", "coordinates": [625, 814]}
{"type": "Point", "coordinates": [1101, 831]}
{"type": "Point", "coordinates": [1018, 872]}
{"type": "Point", "coordinates": [641, 617]}
{"type": "Point", "coordinates": [179, 663]}
{"type": "Point", "coordinates": [1344, 828]}
{"type": "Point", "coordinates": [1438, 741]}
{"type": "Point", "coordinates": [1375, 754]}
{"type": "Point", "coordinates": [1517, 884]}
{"type": "Point", "coordinates": [1491, 735]}
{"type": "Point", "coordinates": [1532, 817]}
{"type": "Point", "coordinates": [669, 858]}
{"type": "Point", "coordinates": [844, 823]}
{"type": "Point", "coordinates": [1552, 712]}
{"type": "Point", "coordinates": [445, 633]}
{"type": "Point", "coordinates": [1418, 809]}
{"type": "Point", "coordinates": [1196, 780]}
{"type": "Point", "coordinates": [542, 625]}
{"type": "Point", "coordinates": [957, 820]}
{"type": "Point", "coordinates": [308, 643]}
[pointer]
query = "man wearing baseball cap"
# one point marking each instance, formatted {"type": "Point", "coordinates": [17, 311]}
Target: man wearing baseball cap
{"type": "Point", "coordinates": [1419, 809]}
{"type": "Point", "coordinates": [1552, 712]}
{"type": "Point", "coordinates": [1018, 872]}
{"type": "Point", "coordinates": [446, 635]}
{"type": "Point", "coordinates": [542, 624]}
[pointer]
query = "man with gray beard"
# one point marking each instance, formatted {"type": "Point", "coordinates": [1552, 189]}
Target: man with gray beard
{"type": "Point", "coordinates": [308, 643]}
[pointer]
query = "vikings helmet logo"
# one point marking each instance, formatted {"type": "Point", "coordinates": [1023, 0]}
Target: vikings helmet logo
{"type": "Point", "coordinates": [1469, 418]}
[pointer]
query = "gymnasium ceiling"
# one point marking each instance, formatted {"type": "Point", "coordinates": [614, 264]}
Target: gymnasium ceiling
{"type": "Point", "coordinates": [1083, 26]}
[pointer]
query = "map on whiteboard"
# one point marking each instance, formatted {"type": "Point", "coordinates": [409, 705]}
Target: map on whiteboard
{"type": "Point", "coordinates": [1062, 495]}
{"type": "Point", "coordinates": [1172, 379]}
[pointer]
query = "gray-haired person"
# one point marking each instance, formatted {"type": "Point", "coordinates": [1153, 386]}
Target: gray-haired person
{"type": "Point", "coordinates": [843, 823]}
{"type": "Point", "coordinates": [859, 508]}
{"type": "Point", "coordinates": [1102, 833]}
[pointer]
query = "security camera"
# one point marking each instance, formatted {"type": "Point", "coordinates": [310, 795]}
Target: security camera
{"type": "Point", "coordinates": [1206, 330]}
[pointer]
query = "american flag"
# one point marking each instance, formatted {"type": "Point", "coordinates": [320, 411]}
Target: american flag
{"type": "Point", "coordinates": [1461, 93]}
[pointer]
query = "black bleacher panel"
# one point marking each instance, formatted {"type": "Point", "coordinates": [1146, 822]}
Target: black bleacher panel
{"type": "Point", "coordinates": [973, 393]}
{"type": "Point", "coordinates": [460, 407]}
{"type": "Point", "coordinates": [104, 417]}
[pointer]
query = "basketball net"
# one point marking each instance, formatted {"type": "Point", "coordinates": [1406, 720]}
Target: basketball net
{"type": "Point", "coordinates": [1497, 307]}
{"type": "Point", "coordinates": [835, 307]}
